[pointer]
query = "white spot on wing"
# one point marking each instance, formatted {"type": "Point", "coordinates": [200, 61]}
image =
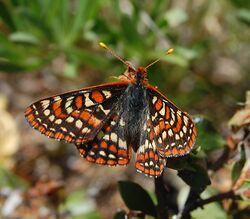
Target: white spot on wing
{"type": "Point", "coordinates": [170, 132]}
{"type": "Point", "coordinates": [122, 144]}
{"type": "Point", "coordinates": [51, 118]}
{"type": "Point", "coordinates": [88, 101]}
{"type": "Point", "coordinates": [57, 98]}
{"type": "Point", "coordinates": [79, 123]}
{"type": "Point", "coordinates": [69, 110]}
{"type": "Point", "coordinates": [154, 99]}
{"type": "Point", "coordinates": [113, 137]}
{"type": "Point", "coordinates": [58, 121]}
{"type": "Point", "coordinates": [106, 93]}
{"type": "Point", "coordinates": [70, 119]}
{"type": "Point", "coordinates": [102, 153]}
{"type": "Point", "coordinates": [162, 111]}
{"type": "Point", "coordinates": [46, 112]}
{"type": "Point", "coordinates": [64, 129]}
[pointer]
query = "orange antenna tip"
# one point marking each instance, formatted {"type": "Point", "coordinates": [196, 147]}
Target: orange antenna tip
{"type": "Point", "coordinates": [170, 51]}
{"type": "Point", "coordinates": [103, 45]}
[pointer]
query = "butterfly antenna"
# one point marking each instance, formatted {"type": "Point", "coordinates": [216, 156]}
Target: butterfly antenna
{"type": "Point", "coordinates": [104, 46]}
{"type": "Point", "coordinates": [169, 51]}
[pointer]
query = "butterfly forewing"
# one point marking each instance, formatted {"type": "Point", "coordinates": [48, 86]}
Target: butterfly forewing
{"type": "Point", "coordinates": [75, 116]}
{"type": "Point", "coordinates": [175, 132]}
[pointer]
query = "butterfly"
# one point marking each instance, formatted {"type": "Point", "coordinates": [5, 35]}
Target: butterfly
{"type": "Point", "coordinates": [106, 122]}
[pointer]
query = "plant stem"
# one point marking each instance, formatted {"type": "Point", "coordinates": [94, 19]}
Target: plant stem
{"type": "Point", "coordinates": [161, 194]}
{"type": "Point", "coordinates": [201, 202]}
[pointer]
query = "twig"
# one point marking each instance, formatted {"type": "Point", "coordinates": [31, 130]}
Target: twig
{"type": "Point", "coordinates": [201, 202]}
{"type": "Point", "coordinates": [161, 194]}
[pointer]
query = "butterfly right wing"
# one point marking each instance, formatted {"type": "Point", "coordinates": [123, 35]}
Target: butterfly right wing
{"type": "Point", "coordinates": [76, 116]}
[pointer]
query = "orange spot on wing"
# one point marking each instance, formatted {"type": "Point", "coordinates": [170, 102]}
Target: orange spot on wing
{"type": "Point", "coordinates": [68, 138]}
{"type": "Point", "coordinates": [111, 162]}
{"type": "Point", "coordinates": [122, 153]}
{"type": "Point", "coordinates": [151, 154]}
{"type": "Point", "coordinates": [168, 126]}
{"type": "Point", "coordinates": [95, 146]}
{"type": "Point", "coordinates": [123, 161]}
{"type": "Point", "coordinates": [146, 171]}
{"type": "Point", "coordinates": [151, 135]}
{"type": "Point", "coordinates": [41, 129]}
{"type": "Point", "coordinates": [30, 117]}
{"type": "Point", "coordinates": [49, 133]}
{"type": "Point", "coordinates": [78, 102]}
{"type": "Point", "coordinates": [178, 126]}
{"type": "Point", "coordinates": [158, 104]}
{"type": "Point", "coordinates": [85, 115]}
{"type": "Point", "coordinates": [89, 158]}
{"type": "Point", "coordinates": [34, 124]}
{"type": "Point", "coordinates": [191, 143]}
{"type": "Point", "coordinates": [94, 121]}
{"type": "Point", "coordinates": [82, 151]}
{"type": "Point", "coordinates": [97, 96]}
{"type": "Point", "coordinates": [167, 152]}
{"type": "Point", "coordinates": [182, 151]}
{"type": "Point", "coordinates": [59, 135]}
{"type": "Point", "coordinates": [113, 148]}
{"type": "Point", "coordinates": [28, 110]}
{"type": "Point", "coordinates": [151, 172]}
{"type": "Point", "coordinates": [167, 115]}
{"type": "Point", "coordinates": [58, 110]}
{"type": "Point", "coordinates": [174, 151]}
{"type": "Point", "coordinates": [104, 145]}
{"type": "Point", "coordinates": [187, 148]}
{"type": "Point", "coordinates": [139, 167]}
{"type": "Point", "coordinates": [100, 160]}
{"type": "Point", "coordinates": [162, 124]}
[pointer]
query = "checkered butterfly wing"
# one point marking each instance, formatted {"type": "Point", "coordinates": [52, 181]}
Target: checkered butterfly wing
{"type": "Point", "coordinates": [76, 116]}
{"type": "Point", "coordinates": [174, 129]}
{"type": "Point", "coordinates": [167, 132]}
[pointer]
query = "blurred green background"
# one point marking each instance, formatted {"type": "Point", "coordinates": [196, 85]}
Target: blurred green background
{"type": "Point", "coordinates": [48, 47]}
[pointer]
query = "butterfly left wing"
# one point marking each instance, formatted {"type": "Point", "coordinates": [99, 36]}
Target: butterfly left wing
{"type": "Point", "coordinates": [110, 146]}
{"type": "Point", "coordinates": [174, 129]}
{"type": "Point", "coordinates": [75, 116]}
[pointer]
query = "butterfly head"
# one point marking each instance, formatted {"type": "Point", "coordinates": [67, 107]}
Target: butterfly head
{"type": "Point", "coordinates": [141, 76]}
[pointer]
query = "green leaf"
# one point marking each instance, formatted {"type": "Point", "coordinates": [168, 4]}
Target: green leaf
{"type": "Point", "coordinates": [244, 16]}
{"type": "Point", "coordinates": [78, 204]}
{"type": "Point", "coordinates": [9, 179]}
{"type": "Point", "coordinates": [197, 178]}
{"type": "Point", "coordinates": [23, 37]}
{"type": "Point", "coordinates": [6, 16]}
{"type": "Point", "coordinates": [136, 198]}
{"type": "Point", "coordinates": [176, 17]}
{"type": "Point", "coordinates": [208, 138]}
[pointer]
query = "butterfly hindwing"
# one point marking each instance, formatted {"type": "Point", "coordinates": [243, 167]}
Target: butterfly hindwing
{"type": "Point", "coordinates": [75, 116]}
{"type": "Point", "coordinates": [148, 159]}
{"type": "Point", "coordinates": [174, 129]}
{"type": "Point", "coordinates": [109, 147]}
